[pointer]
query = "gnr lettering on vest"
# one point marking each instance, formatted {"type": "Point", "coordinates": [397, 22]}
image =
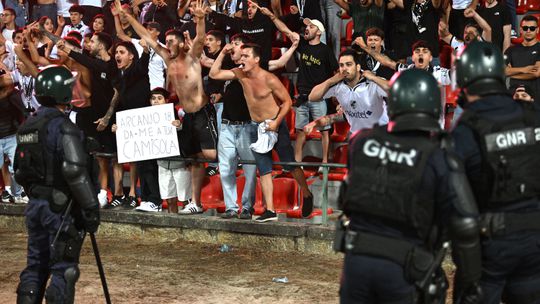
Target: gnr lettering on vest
{"type": "Point", "coordinates": [513, 138]}
{"type": "Point", "coordinates": [373, 148]}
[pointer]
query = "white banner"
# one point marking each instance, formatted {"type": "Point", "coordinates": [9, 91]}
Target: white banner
{"type": "Point", "coordinates": [146, 133]}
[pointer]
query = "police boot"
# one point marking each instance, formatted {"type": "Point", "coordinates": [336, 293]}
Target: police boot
{"type": "Point", "coordinates": [28, 294]}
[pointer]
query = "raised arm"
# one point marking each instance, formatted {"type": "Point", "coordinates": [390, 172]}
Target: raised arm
{"type": "Point", "coordinates": [183, 6]}
{"type": "Point", "coordinates": [343, 4]}
{"type": "Point", "coordinates": [216, 72]}
{"type": "Point", "coordinates": [117, 26]}
{"type": "Point", "coordinates": [383, 59]}
{"type": "Point", "coordinates": [319, 90]}
{"type": "Point", "coordinates": [199, 13]}
{"type": "Point", "coordinates": [282, 61]}
{"type": "Point", "coordinates": [27, 62]}
{"type": "Point", "coordinates": [61, 23]}
{"type": "Point", "coordinates": [444, 34]}
{"type": "Point", "coordinates": [278, 23]}
{"type": "Point", "coordinates": [486, 28]}
{"type": "Point", "coordinates": [143, 33]}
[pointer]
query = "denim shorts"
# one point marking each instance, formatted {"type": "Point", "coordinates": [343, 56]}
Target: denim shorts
{"type": "Point", "coordinates": [310, 111]}
{"type": "Point", "coordinates": [283, 148]}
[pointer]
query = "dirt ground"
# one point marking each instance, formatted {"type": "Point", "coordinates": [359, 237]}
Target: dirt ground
{"type": "Point", "coordinates": [141, 271]}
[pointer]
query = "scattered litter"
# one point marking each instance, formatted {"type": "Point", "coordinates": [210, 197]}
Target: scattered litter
{"type": "Point", "coordinates": [224, 248]}
{"type": "Point", "coordinates": [280, 280]}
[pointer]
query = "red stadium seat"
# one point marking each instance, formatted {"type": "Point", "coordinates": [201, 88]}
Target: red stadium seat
{"type": "Point", "coordinates": [339, 156]}
{"type": "Point", "coordinates": [290, 120]}
{"type": "Point", "coordinates": [285, 194]}
{"type": "Point", "coordinates": [521, 7]}
{"type": "Point", "coordinates": [532, 5]}
{"type": "Point", "coordinates": [212, 194]}
{"type": "Point", "coordinates": [349, 33]}
{"type": "Point", "coordinates": [276, 53]}
{"type": "Point", "coordinates": [445, 55]}
{"type": "Point", "coordinates": [341, 129]}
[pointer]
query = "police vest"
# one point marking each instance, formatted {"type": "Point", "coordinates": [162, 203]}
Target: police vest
{"type": "Point", "coordinates": [510, 168]}
{"type": "Point", "coordinates": [385, 181]}
{"type": "Point", "coordinates": [33, 164]}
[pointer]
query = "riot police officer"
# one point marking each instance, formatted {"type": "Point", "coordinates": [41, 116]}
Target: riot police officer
{"type": "Point", "coordinates": [51, 163]}
{"type": "Point", "coordinates": [404, 192]}
{"type": "Point", "coordinates": [498, 140]}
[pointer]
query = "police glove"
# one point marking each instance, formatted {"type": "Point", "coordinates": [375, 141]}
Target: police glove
{"type": "Point", "coordinates": [91, 220]}
{"type": "Point", "coordinates": [472, 295]}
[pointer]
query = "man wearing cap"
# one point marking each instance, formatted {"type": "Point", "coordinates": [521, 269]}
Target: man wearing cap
{"type": "Point", "coordinates": [156, 65]}
{"type": "Point", "coordinates": [522, 93]}
{"type": "Point", "coordinates": [317, 63]}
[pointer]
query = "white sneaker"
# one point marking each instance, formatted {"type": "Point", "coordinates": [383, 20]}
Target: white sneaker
{"type": "Point", "coordinates": [191, 208]}
{"type": "Point", "coordinates": [102, 198]}
{"type": "Point", "coordinates": [148, 207]}
{"type": "Point", "coordinates": [21, 200]}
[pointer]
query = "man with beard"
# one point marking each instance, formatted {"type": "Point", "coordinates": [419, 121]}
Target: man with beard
{"type": "Point", "coordinates": [184, 75]}
{"type": "Point", "coordinates": [480, 31]}
{"type": "Point", "coordinates": [522, 60]}
{"type": "Point", "coordinates": [360, 94]}
{"type": "Point", "coordinates": [103, 70]}
{"type": "Point", "coordinates": [268, 101]}
{"type": "Point", "coordinates": [317, 63]}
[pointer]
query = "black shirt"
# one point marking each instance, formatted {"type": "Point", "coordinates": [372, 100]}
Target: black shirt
{"type": "Point", "coordinates": [133, 85]}
{"type": "Point", "coordinates": [8, 116]}
{"type": "Point", "coordinates": [165, 16]}
{"type": "Point", "coordinates": [497, 17]}
{"type": "Point", "coordinates": [520, 56]}
{"type": "Point", "coordinates": [260, 29]}
{"type": "Point", "coordinates": [317, 63]}
{"type": "Point", "coordinates": [426, 25]}
{"type": "Point", "coordinates": [234, 102]}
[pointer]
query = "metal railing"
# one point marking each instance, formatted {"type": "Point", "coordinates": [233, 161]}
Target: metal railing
{"type": "Point", "coordinates": [325, 168]}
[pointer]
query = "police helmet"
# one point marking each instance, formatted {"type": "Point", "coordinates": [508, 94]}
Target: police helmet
{"type": "Point", "coordinates": [480, 69]}
{"type": "Point", "coordinates": [54, 85]}
{"type": "Point", "coordinates": [414, 101]}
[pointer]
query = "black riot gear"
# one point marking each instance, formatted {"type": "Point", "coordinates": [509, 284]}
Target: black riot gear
{"type": "Point", "coordinates": [387, 174]}
{"type": "Point", "coordinates": [511, 158]}
{"type": "Point", "coordinates": [480, 69]}
{"type": "Point", "coordinates": [414, 102]}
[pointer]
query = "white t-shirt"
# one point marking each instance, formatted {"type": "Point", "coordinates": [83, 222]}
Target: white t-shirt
{"type": "Point", "coordinates": [156, 66]}
{"type": "Point", "coordinates": [441, 74]}
{"type": "Point", "coordinates": [25, 84]}
{"type": "Point", "coordinates": [96, 3]}
{"type": "Point", "coordinates": [460, 4]}
{"type": "Point", "coordinates": [8, 34]}
{"type": "Point", "coordinates": [363, 105]}
{"type": "Point", "coordinates": [10, 59]}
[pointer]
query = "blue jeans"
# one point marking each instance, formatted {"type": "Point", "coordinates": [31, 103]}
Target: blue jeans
{"type": "Point", "coordinates": [309, 111]}
{"type": "Point", "coordinates": [8, 145]}
{"type": "Point", "coordinates": [233, 144]}
{"type": "Point", "coordinates": [329, 11]}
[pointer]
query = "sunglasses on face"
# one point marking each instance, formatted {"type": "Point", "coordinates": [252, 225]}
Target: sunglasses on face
{"type": "Point", "coordinates": [529, 28]}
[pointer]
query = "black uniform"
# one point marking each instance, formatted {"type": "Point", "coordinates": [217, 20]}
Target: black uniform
{"type": "Point", "coordinates": [498, 140]}
{"type": "Point", "coordinates": [404, 189]}
{"type": "Point", "coordinates": [51, 165]}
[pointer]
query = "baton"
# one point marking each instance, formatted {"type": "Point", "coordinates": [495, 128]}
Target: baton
{"type": "Point", "coordinates": [100, 268]}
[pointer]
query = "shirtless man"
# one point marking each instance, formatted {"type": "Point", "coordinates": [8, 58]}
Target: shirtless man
{"type": "Point", "coordinates": [184, 75]}
{"type": "Point", "coordinates": [267, 99]}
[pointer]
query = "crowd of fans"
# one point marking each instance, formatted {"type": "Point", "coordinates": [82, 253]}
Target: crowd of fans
{"type": "Point", "coordinates": [124, 54]}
